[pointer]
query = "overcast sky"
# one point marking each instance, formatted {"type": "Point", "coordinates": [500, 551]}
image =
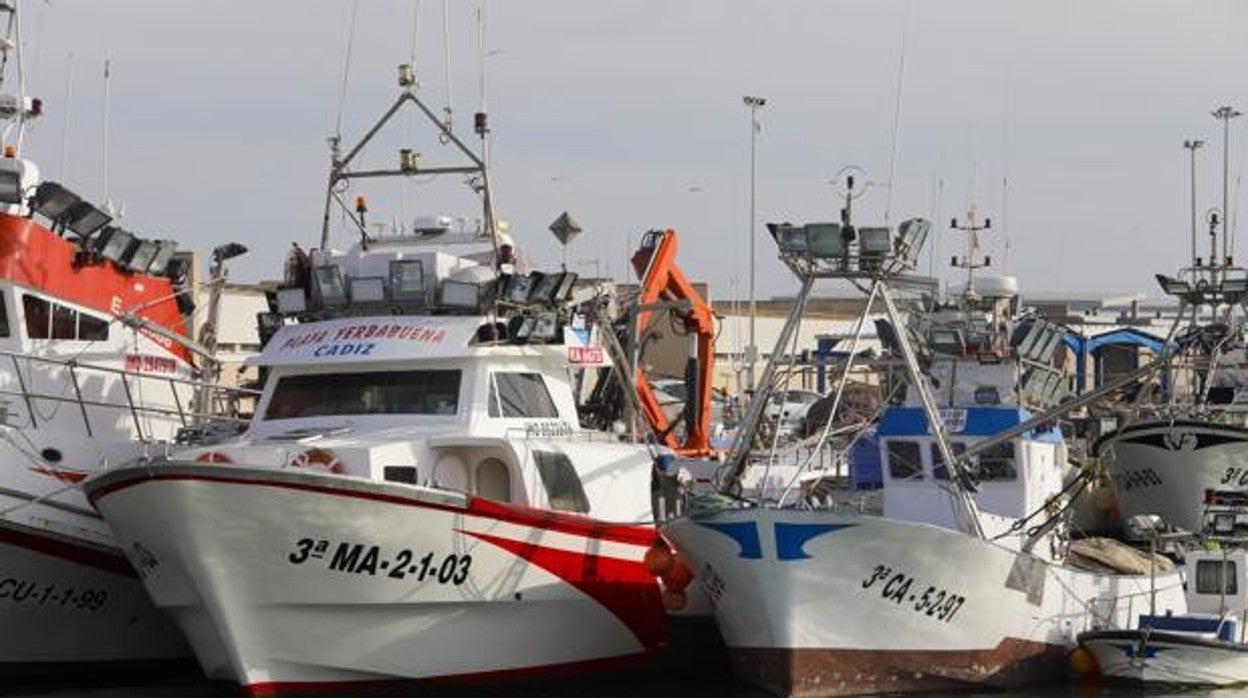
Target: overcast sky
{"type": "Point", "coordinates": [1061, 120]}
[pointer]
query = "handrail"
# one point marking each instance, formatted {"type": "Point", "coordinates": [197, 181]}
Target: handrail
{"type": "Point", "coordinates": [232, 395]}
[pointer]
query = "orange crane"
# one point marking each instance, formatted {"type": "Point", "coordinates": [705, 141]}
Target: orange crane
{"type": "Point", "coordinates": [663, 283]}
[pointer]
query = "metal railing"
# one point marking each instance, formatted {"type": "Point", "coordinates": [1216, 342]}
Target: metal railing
{"type": "Point", "coordinates": [225, 402]}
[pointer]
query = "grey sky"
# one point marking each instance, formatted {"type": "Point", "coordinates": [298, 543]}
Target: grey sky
{"type": "Point", "coordinates": [629, 115]}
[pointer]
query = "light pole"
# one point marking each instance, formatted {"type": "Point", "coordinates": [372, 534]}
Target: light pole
{"type": "Point", "coordinates": [754, 103]}
{"type": "Point", "coordinates": [1225, 114]}
{"type": "Point", "coordinates": [1192, 145]}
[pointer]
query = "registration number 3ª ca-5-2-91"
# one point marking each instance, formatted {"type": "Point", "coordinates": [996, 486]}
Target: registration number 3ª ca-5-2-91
{"type": "Point", "coordinates": [364, 559]}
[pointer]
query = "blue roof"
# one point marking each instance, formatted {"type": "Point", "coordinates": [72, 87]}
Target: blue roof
{"type": "Point", "coordinates": [980, 421]}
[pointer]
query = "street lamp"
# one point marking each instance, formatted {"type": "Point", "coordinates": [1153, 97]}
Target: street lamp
{"type": "Point", "coordinates": [1192, 145]}
{"type": "Point", "coordinates": [754, 103]}
{"type": "Point", "coordinates": [1225, 114]}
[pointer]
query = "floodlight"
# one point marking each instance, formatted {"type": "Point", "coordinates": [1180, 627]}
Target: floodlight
{"type": "Point", "coordinates": [791, 239]}
{"type": "Point", "coordinates": [462, 294]}
{"type": "Point", "coordinates": [987, 395]}
{"type": "Point", "coordinates": [164, 254]}
{"type": "Point", "coordinates": [291, 300]}
{"type": "Point", "coordinates": [545, 326]}
{"type": "Point", "coordinates": [874, 244]}
{"type": "Point", "coordinates": [141, 256]}
{"type": "Point", "coordinates": [329, 286]}
{"type": "Point", "coordinates": [1173, 286]}
{"type": "Point", "coordinates": [567, 281]}
{"type": "Point", "coordinates": [824, 240]}
{"type": "Point", "coordinates": [11, 186]}
{"type": "Point", "coordinates": [407, 280]}
{"type": "Point", "coordinates": [112, 243]}
{"type": "Point", "coordinates": [267, 325]}
{"type": "Point", "coordinates": [84, 218]}
{"type": "Point", "coordinates": [912, 234]}
{"type": "Point", "coordinates": [518, 288]}
{"type": "Point", "coordinates": [367, 289]}
{"type": "Point", "coordinates": [53, 200]}
{"type": "Point", "coordinates": [1223, 524]}
{"type": "Point", "coordinates": [229, 250]}
{"type": "Point", "coordinates": [545, 288]}
{"type": "Point", "coordinates": [1239, 285]}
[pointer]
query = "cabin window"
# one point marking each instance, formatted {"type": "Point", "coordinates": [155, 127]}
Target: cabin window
{"type": "Point", "coordinates": [92, 329]}
{"type": "Point", "coordinates": [563, 485]}
{"type": "Point", "coordinates": [37, 317]}
{"type": "Point", "coordinates": [4, 317]}
{"type": "Point", "coordinates": [493, 480]}
{"type": "Point", "coordinates": [996, 463]}
{"type": "Point", "coordinates": [938, 463]}
{"type": "Point", "coordinates": [520, 395]}
{"type": "Point", "coordinates": [64, 322]}
{"type": "Point", "coordinates": [373, 392]}
{"type": "Point", "coordinates": [905, 460]}
{"type": "Point", "coordinates": [1210, 575]}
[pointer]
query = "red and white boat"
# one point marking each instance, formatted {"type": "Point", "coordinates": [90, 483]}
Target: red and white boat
{"type": "Point", "coordinates": [415, 498]}
{"type": "Point", "coordinates": [79, 391]}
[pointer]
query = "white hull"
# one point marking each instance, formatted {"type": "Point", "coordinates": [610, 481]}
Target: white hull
{"type": "Point", "coordinates": [1164, 467]}
{"type": "Point", "coordinates": [817, 603]}
{"type": "Point", "coordinates": [261, 570]}
{"type": "Point", "coordinates": [63, 581]}
{"type": "Point", "coordinates": [1168, 659]}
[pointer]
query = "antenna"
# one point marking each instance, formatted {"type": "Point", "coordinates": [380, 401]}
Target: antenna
{"type": "Point", "coordinates": [69, 74]}
{"type": "Point", "coordinates": [1193, 145]}
{"type": "Point", "coordinates": [1225, 114]}
{"type": "Point", "coordinates": [108, 203]}
{"type": "Point", "coordinates": [901, 74]}
{"type": "Point", "coordinates": [446, 63]}
{"type": "Point", "coordinates": [969, 263]}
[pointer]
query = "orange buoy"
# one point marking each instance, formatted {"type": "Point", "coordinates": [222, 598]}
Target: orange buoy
{"type": "Point", "coordinates": [213, 457]}
{"type": "Point", "coordinates": [658, 559]}
{"type": "Point", "coordinates": [678, 577]}
{"type": "Point", "coordinates": [674, 600]}
{"type": "Point", "coordinates": [1083, 663]}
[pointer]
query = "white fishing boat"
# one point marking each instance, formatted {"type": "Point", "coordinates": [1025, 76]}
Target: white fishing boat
{"type": "Point", "coordinates": [94, 370]}
{"type": "Point", "coordinates": [1205, 647]}
{"type": "Point", "coordinates": [1168, 455]}
{"type": "Point", "coordinates": [969, 577]}
{"type": "Point", "coordinates": [415, 499]}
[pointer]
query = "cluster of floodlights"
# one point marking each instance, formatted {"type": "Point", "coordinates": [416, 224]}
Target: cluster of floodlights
{"type": "Point", "coordinates": [66, 211]}
{"type": "Point", "coordinates": [1232, 289]}
{"type": "Point", "coordinates": [867, 248]}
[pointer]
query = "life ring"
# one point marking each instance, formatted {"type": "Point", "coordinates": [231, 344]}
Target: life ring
{"type": "Point", "coordinates": [318, 459]}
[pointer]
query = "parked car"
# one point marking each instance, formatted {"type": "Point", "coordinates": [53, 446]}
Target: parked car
{"type": "Point", "coordinates": [787, 408]}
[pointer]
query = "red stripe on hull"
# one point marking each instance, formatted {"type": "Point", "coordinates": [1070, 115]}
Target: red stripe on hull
{"type": "Point", "coordinates": [621, 586]}
{"type": "Point", "coordinates": [57, 547]}
{"type": "Point", "coordinates": [538, 518]}
{"type": "Point", "coordinates": [568, 670]}
{"type": "Point", "coordinates": [814, 673]}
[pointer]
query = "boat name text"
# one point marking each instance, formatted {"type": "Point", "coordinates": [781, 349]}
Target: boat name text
{"type": "Point", "coordinates": [380, 330]}
{"type": "Point", "coordinates": [23, 591]}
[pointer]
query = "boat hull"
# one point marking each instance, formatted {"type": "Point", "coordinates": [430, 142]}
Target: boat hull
{"type": "Point", "coordinates": [822, 604]}
{"type": "Point", "coordinates": [286, 579]}
{"type": "Point", "coordinates": [1164, 467]}
{"type": "Point", "coordinates": [76, 604]}
{"type": "Point", "coordinates": [1165, 658]}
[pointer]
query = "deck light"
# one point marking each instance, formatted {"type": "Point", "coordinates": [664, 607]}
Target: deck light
{"type": "Point", "coordinates": [229, 250]}
{"type": "Point", "coordinates": [53, 200]}
{"type": "Point", "coordinates": [84, 218]}
{"type": "Point", "coordinates": [11, 186]}
{"type": "Point", "coordinates": [164, 254]}
{"type": "Point", "coordinates": [141, 256]}
{"type": "Point", "coordinates": [407, 280]}
{"type": "Point", "coordinates": [112, 243]}
{"type": "Point", "coordinates": [1173, 286]}
{"type": "Point", "coordinates": [329, 286]}
{"type": "Point", "coordinates": [367, 289]}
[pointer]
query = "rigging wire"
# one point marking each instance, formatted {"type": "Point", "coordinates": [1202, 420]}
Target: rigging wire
{"type": "Point", "coordinates": [346, 69]}
{"type": "Point", "coordinates": [446, 66]}
{"type": "Point", "coordinates": [901, 75]}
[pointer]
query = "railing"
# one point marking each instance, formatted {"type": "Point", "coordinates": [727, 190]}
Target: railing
{"type": "Point", "coordinates": [225, 402]}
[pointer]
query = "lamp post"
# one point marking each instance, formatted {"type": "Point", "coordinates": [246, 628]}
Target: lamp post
{"type": "Point", "coordinates": [1192, 145]}
{"type": "Point", "coordinates": [754, 103]}
{"type": "Point", "coordinates": [1225, 114]}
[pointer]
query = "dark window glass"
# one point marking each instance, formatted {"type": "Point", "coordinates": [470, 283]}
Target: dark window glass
{"type": "Point", "coordinates": [905, 460]}
{"type": "Point", "coordinates": [375, 392]}
{"type": "Point", "coordinates": [4, 317]}
{"type": "Point", "coordinates": [1209, 577]}
{"type": "Point", "coordinates": [563, 486]}
{"type": "Point", "coordinates": [37, 318]}
{"type": "Point", "coordinates": [92, 328]}
{"type": "Point", "coordinates": [996, 463]}
{"type": "Point", "coordinates": [938, 463]}
{"type": "Point", "coordinates": [64, 322]}
{"type": "Point", "coordinates": [522, 395]}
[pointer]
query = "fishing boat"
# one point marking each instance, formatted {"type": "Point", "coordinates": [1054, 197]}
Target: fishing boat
{"type": "Point", "coordinates": [96, 368]}
{"type": "Point", "coordinates": [415, 498]}
{"type": "Point", "coordinates": [969, 578]}
{"type": "Point", "coordinates": [1168, 453]}
{"type": "Point", "coordinates": [1205, 647]}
